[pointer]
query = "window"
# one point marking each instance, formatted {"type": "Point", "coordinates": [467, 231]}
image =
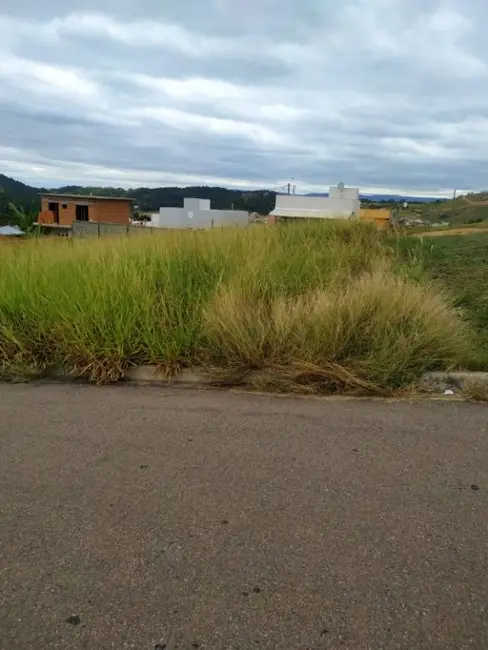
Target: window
{"type": "Point", "coordinates": [54, 208]}
{"type": "Point", "coordinates": [64, 206]}
{"type": "Point", "coordinates": [81, 213]}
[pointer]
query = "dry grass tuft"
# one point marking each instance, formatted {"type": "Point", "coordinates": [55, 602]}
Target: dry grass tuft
{"type": "Point", "coordinates": [476, 390]}
{"type": "Point", "coordinates": [377, 333]}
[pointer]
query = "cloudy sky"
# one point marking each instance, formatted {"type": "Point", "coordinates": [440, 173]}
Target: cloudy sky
{"type": "Point", "coordinates": [383, 94]}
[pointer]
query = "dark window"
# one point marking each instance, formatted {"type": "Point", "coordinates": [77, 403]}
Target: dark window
{"type": "Point", "coordinates": [54, 208]}
{"type": "Point", "coordinates": [64, 206]}
{"type": "Point", "coordinates": [81, 213]}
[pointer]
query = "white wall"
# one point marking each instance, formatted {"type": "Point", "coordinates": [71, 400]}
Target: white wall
{"type": "Point", "coordinates": [198, 218]}
{"type": "Point", "coordinates": [315, 207]}
{"type": "Point", "coordinates": [170, 216]}
{"type": "Point", "coordinates": [221, 218]}
{"type": "Point", "coordinates": [196, 204]}
{"type": "Point", "coordinates": [335, 192]}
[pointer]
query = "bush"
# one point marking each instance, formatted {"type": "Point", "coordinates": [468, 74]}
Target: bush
{"type": "Point", "coordinates": [378, 332]}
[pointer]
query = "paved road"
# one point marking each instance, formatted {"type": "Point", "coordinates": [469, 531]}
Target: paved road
{"type": "Point", "coordinates": [166, 518]}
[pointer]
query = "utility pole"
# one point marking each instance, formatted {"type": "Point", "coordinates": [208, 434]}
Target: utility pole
{"type": "Point", "coordinates": [454, 196]}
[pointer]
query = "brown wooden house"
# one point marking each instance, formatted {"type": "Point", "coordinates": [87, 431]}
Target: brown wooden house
{"type": "Point", "coordinates": [60, 210]}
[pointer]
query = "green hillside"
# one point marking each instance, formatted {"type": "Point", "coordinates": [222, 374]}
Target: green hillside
{"type": "Point", "coordinates": [12, 191]}
{"type": "Point", "coordinates": [151, 199]}
{"type": "Point", "coordinates": [471, 208]}
{"type": "Point", "coordinates": [147, 199]}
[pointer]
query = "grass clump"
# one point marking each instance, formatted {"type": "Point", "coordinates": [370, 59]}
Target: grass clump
{"type": "Point", "coordinates": [378, 332]}
{"type": "Point", "coordinates": [460, 265]}
{"type": "Point", "coordinates": [476, 390]}
{"type": "Point", "coordinates": [309, 304]}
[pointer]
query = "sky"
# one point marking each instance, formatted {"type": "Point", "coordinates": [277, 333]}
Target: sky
{"type": "Point", "coordinates": [386, 95]}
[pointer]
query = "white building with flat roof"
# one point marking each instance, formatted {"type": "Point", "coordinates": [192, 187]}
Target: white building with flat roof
{"type": "Point", "coordinates": [197, 213]}
{"type": "Point", "coordinates": [342, 203]}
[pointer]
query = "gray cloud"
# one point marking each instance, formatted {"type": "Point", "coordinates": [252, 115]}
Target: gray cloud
{"type": "Point", "coordinates": [380, 94]}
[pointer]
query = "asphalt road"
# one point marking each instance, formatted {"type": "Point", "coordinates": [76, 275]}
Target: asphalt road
{"type": "Point", "coordinates": [167, 518]}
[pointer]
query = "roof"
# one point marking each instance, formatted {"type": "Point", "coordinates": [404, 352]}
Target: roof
{"type": "Point", "coordinates": [11, 231]}
{"type": "Point", "coordinates": [84, 197]}
{"type": "Point", "coordinates": [313, 214]}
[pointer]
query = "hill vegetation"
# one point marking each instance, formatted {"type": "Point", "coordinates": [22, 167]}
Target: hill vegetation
{"type": "Point", "coordinates": [147, 199]}
{"type": "Point", "coordinates": [151, 199]}
{"type": "Point", "coordinates": [22, 196]}
{"type": "Point", "coordinates": [470, 208]}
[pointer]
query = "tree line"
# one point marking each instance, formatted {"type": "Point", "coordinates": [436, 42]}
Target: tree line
{"type": "Point", "coordinates": [146, 199]}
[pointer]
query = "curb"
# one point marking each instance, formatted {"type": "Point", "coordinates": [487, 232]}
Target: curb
{"type": "Point", "coordinates": [196, 376]}
{"type": "Point", "coordinates": [153, 375]}
{"type": "Point", "coordinates": [439, 382]}
{"type": "Point", "coordinates": [431, 382]}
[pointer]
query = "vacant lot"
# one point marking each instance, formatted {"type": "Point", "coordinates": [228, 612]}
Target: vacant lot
{"type": "Point", "coordinates": [321, 306]}
{"type": "Point", "coordinates": [459, 264]}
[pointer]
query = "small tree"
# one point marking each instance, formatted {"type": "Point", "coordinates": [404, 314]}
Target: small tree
{"type": "Point", "coordinates": [23, 219]}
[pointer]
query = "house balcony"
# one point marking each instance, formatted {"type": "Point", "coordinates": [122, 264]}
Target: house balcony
{"type": "Point", "coordinates": [48, 219]}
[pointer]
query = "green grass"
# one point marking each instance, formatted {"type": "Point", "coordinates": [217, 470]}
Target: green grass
{"type": "Point", "coordinates": [462, 211]}
{"type": "Point", "coordinates": [322, 306]}
{"type": "Point", "coordinates": [458, 263]}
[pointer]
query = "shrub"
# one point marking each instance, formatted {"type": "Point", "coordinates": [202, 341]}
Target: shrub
{"type": "Point", "coordinates": [377, 332]}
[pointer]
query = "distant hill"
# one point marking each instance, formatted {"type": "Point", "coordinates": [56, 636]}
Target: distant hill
{"type": "Point", "coordinates": [389, 198]}
{"type": "Point", "coordinates": [12, 191]}
{"type": "Point", "coordinates": [151, 199]}
{"type": "Point", "coordinates": [146, 198]}
{"type": "Point", "coordinates": [466, 209]}
{"type": "Point", "coordinates": [397, 198]}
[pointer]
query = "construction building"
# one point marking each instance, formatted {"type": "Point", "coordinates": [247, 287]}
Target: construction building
{"type": "Point", "coordinates": [61, 210]}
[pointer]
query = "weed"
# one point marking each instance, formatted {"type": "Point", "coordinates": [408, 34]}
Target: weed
{"type": "Point", "coordinates": [476, 390]}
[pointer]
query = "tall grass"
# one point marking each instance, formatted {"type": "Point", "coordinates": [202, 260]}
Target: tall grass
{"type": "Point", "coordinates": [310, 304]}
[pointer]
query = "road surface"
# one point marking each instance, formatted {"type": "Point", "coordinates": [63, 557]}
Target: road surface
{"type": "Point", "coordinates": [154, 518]}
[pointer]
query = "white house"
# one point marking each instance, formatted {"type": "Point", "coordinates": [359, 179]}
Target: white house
{"type": "Point", "coordinates": [197, 213]}
{"type": "Point", "coordinates": [342, 203]}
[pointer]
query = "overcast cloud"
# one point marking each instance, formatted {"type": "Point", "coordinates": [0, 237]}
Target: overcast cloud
{"type": "Point", "coordinates": [384, 94]}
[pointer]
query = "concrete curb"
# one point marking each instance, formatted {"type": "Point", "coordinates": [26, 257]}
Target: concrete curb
{"type": "Point", "coordinates": [438, 382]}
{"type": "Point", "coordinates": [194, 376]}
{"type": "Point", "coordinates": [431, 382]}
{"type": "Point", "coordinates": [153, 375]}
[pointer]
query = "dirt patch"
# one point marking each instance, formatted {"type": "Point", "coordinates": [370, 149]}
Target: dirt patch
{"type": "Point", "coordinates": [476, 203]}
{"type": "Point", "coordinates": [451, 231]}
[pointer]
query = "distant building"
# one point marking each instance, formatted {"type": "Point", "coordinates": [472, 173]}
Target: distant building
{"type": "Point", "coordinates": [197, 213]}
{"type": "Point", "coordinates": [9, 233]}
{"type": "Point", "coordinates": [379, 216]}
{"type": "Point", "coordinates": [342, 203]}
{"type": "Point", "coordinates": [60, 210]}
